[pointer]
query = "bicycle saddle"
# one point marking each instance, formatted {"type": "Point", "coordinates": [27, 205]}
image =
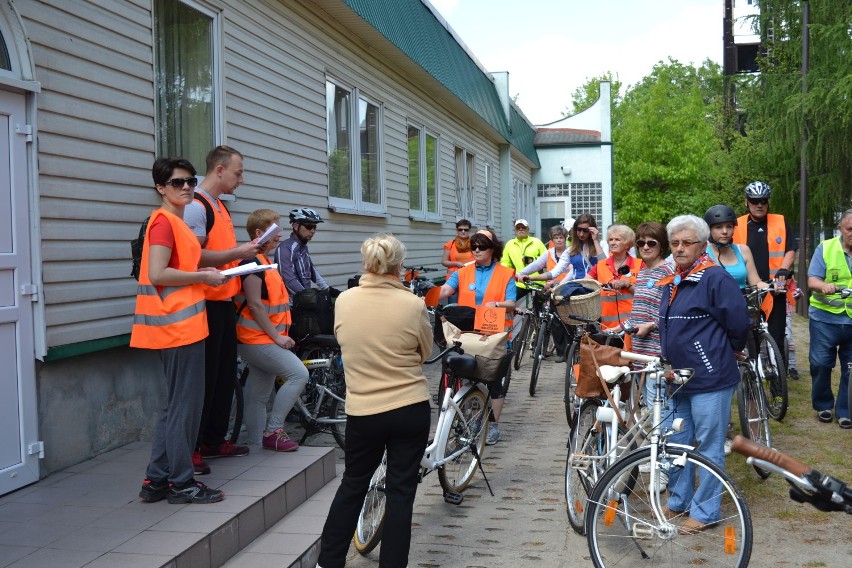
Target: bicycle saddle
{"type": "Point", "coordinates": [320, 341]}
{"type": "Point", "coordinates": [612, 374]}
{"type": "Point", "coordinates": [462, 365]}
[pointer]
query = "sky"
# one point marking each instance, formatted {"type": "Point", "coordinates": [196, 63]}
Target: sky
{"type": "Point", "coordinates": [551, 47]}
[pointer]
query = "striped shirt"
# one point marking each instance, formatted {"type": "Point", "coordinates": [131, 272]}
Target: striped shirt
{"type": "Point", "coordinates": [646, 307]}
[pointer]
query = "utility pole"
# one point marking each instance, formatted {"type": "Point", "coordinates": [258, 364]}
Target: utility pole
{"type": "Point", "coordinates": [803, 164]}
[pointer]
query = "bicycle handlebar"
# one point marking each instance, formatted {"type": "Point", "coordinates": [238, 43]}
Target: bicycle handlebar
{"type": "Point", "coordinates": [456, 346]}
{"type": "Point", "coordinates": [748, 448]}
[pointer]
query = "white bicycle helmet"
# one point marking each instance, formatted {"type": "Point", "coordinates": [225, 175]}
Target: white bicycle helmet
{"type": "Point", "coordinates": [758, 190]}
{"type": "Point", "coordinates": [304, 215]}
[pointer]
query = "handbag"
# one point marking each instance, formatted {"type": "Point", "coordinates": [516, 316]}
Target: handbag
{"type": "Point", "coordinates": [492, 357]}
{"type": "Point", "coordinates": [590, 384]}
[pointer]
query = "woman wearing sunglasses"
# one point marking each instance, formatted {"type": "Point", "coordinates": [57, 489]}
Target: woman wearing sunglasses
{"type": "Point", "coordinates": [488, 283]}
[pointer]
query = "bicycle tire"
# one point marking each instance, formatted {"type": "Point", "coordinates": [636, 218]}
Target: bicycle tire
{"type": "Point", "coordinates": [521, 341]}
{"type": "Point", "coordinates": [775, 374]}
{"type": "Point", "coordinates": [371, 519]}
{"type": "Point", "coordinates": [238, 406]}
{"type": "Point", "coordinates": [581, 474]}
{"type": "Point", "coordinates": [538, 355]}
{"type": "Point", "coordinates": [623, 530]}
{"type": "Point", "coordinates": [571, 359]}
{"type": "Point", "coordinates": [751, 408]}
{"type": "Point", "coordinates": [507, 378]}
{"type": "Point", "coordinates": [337, 411]}
{"type": "Point", "coordinates": [468, 428]}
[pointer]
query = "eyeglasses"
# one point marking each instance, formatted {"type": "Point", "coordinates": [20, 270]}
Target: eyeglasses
{"type": "Point", "coordinates": [758, 201]}
{"type": "Point", "coordinates": [463, 229]}
{"type": "Point", "coordinates": [651, 243]}
{"type": "Point", "coordinates": [521, 228]}
{"type": "Point", "coordinates": [480, 247]}
{"type": "Point", "coordinates": [582, 229]}
{"type": "Point", "coordinates": [310, 227]}
{"type": "Point", "coordinates": [178, 183]}
{"type": "Point", "coordinates": [677, 244]}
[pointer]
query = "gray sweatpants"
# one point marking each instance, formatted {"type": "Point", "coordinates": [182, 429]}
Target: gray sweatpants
{"type": "Point", "coordinates": [177, 426]}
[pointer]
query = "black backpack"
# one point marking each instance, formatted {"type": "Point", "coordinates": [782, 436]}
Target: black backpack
{"type": "Point", "coordinates": [313, 313]}
{"type": "Point", "coordinates": [138, 243]}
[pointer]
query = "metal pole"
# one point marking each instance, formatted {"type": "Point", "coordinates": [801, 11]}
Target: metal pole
{"type": "Point", "coordinates": [803, 165]}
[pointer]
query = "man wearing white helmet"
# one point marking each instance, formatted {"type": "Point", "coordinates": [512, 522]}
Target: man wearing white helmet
{"type": "Point", "coordinates": [773, 247]}
{"type": "Point", "coordinates": [294, 260]}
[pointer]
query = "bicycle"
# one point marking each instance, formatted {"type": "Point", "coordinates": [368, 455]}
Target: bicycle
{"type": "Point", "coordinates": [530, 323]}
{"type": "Point", "coordinates": [823, 492]}
{"type": "Point", "coordinates": [606, 430]}
{"type": "Point", "coordinates": [626, 522]}
{"type": "Point", "coordinates": [455, 451]}
{"type": "Point", "coordinates": [543, 338]}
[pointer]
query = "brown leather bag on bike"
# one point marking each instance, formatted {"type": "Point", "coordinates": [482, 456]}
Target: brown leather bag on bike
{"type": "Point", "coordinates": [592, 356]}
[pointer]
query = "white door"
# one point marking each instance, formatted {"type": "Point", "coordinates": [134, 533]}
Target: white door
{"type": "Point", "coordinates": [19, 445]}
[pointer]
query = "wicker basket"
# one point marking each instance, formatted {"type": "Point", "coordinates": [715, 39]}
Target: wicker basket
{"type": "Point", "coordinates": [585, 305]}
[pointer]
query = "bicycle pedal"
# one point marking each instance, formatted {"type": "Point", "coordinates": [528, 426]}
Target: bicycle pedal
{"type": "Point", "coordinates": [642, 532]}
{"type": "Point", "coordinates": [581, 461]}
{"type": "Point", "coordinates": [453, 498]}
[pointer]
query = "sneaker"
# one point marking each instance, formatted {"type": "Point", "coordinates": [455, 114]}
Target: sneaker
{"type": "Point", "coordinates": [226, 449]}
{"type": "Point", "coordinates": [493, 435]}
{"type": "Point", "coordinates": [793, 373]}
{"type": "Point", "coordinates": [153, 491]}
{"type": "Point", "coordinates": [194, 492]}
{"type": "Point", "coordinates": [199, 466]}
{"type": "Point", "coordinates": [729, 446]}
{"type": "Point", "coordinates": [279, 441]}
{"type": "Point", "coordinates": [662, 482]}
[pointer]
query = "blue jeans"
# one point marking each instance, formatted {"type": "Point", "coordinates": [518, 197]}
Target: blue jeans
{"type": "Point", "coordinates": [827, 342]}
{"type": "Point", "coordinates": [705, 423]}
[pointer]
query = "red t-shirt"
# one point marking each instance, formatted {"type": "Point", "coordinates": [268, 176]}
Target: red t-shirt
{"type": "Point", "coordinates": [161, 234]}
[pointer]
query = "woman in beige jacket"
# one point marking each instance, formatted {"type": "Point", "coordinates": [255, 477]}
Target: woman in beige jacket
{"type": "Point", "coordinates": [384, 335]}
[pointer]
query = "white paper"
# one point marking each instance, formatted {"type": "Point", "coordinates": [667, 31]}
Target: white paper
{"type": "Point", "coordinates": [248, 269]}
{"type": "Point", "coordinates": [270, 234]}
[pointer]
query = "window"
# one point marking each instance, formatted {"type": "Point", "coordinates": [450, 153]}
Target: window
{"type": "Point", "coordinates": [186, 78]}
{"type": "Point", "coordinates": [583, 197]}
{"type": "Point", "coordinates": [465, 185]}
{"type": "Point", "coordinates": [354, 129]}
{"type": "Point", "coordinates": [489, 196]}
{"type": "Point", "coordinates": [5, 60]}
{"type": "Point", "coordinates": [422, 173]}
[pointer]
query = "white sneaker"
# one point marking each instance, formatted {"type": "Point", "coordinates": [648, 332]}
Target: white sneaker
{"type": "Point", "coordinates": [662, 482]}
{"type": "Point", "coordinates": [729, 446]}
{"type": "Point", "coordinates": [493, 435]}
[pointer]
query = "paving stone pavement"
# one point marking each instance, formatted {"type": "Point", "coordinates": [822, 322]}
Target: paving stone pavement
{"type": "Point", "coordinates": [524, 523]}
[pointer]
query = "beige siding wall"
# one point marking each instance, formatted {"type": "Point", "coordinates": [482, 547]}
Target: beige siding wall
{"type": "Point", "coordinates": [96, 143]}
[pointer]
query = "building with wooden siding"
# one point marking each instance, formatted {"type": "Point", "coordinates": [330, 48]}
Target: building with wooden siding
{"type": "Point", "coordinates": [371, 112]}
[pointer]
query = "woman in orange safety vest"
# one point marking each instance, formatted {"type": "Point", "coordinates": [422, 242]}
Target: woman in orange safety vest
{"type": "Point", "coordinates": [170, 318]}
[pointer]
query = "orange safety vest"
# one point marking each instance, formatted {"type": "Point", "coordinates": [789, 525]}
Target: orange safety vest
{"type": "Point", "coordinates": [221, 237]}
{"type": "Point", "coordinates": [277, 304]}
{"type": "Point", "coordinates": [616, 306]}
{"type": "Point", "coordinates": [456, 256]}
{"type": "Point", "coordinates": [551, 264]}
{"type": "Point", "coordinates": [494, 292]}
{"type": "Point", "coordinates": [170, 316]}
{"type": "Point", "coordinates": [776, 238]}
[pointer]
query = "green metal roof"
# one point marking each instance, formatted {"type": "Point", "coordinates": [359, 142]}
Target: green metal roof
{"type": "Point", "coordinates": [414, 29]}
{"type": "Point", "coordinates": [522, 135]}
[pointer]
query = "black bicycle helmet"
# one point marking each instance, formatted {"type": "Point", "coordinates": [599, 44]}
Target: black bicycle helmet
{"type": "Point", "coordinates": [758, 190]}
{"type": "Point", "coordinates": [720, 214]}
{"type": "Point", "coordinates": [304, 215]}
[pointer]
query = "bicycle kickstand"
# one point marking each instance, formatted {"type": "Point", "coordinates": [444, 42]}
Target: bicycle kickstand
{"type": "Point", "coordinates": [479, 463]}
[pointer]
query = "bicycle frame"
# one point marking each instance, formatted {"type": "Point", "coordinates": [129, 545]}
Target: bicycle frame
{"type": "Point", "coordinates": [324, 393]}
{"type": "Point", "coordinates": [449, 408]}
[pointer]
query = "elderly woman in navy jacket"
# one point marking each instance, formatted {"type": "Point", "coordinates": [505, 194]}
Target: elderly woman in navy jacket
{"type": "Point", "coordinates": [703, 326]}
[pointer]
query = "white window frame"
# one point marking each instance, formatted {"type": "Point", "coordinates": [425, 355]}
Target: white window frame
{"type": "Point", "coordinates": [217, 79]}
{"type": "Point", "coordinates": [489, 195]}
{"type": "Point", "coordinates": [465, 170]}
{"type": "Point", "coordinates": [356, 204]}
{"type": "Point", "coordinates": [422, 211]}
{"type": "Point", "coordinates": [521, 198]}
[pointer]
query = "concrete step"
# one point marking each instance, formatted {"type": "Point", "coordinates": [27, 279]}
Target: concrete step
{"type": "Point", "coordinates": [90, 514]}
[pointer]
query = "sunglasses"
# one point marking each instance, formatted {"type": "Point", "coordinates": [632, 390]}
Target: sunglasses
{"type": "Point", "coordinates": [758, 201]}
{"type": "Point", "coordinates": [463, 229]}
{"type": "Point", "coordinates": [178, 183]}
{"type": "Point", "coordinates": [310, 227]}
{"type": "Point", "coordinates": [480, 247]}
{"type": "Point", "coordinates": [582, 229]}
{"type": "Point", "coordinates": [677, 244]}
{"type": "Point", "coordinates": [651, 243]}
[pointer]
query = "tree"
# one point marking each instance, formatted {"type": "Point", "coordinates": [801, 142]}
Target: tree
{"type": "Point", "coordinates": [586, 94]}
{"type": "Point", "coordinates": [667, 152]}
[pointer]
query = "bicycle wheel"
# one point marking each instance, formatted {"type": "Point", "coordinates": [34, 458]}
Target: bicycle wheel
{"type": "Point", "coordinates": [466, 433]}
{"type": "Point", "coordinates": [570, 399]}
{"type": "Point", "coordinates": [542, 338]}
{"type": "Point", "coordinates": [507, 378]}
{"type": "Point", "coordinates": [581, 469]}
{"type": "Point", "coordinates": [238, 406]}
{"type": "Point", "coordinates": [754, 422]}
{"type": "Point", "coordinates": [622, 528]}
{"type": "Point", "coordinates": [337, 412]}
{"type": "Point", "coordinates": [521, 341]}
{"type": "Point", "coordinates": [371, 520]}
{"type": "Point", "coordinates": [774, 372]}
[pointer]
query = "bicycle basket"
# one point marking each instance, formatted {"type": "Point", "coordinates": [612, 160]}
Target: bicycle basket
{"type": "Point", "coordinates": [587, 305]}
{"type": "Point", "coordinates": [490, 370]}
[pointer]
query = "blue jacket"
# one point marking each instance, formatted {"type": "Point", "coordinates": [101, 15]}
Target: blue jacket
{"type": "Point", "coordinates": [703, 327]}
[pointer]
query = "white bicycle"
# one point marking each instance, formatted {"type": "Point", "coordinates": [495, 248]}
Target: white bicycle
{"type": "Point", "coordinates": [455, 452]}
